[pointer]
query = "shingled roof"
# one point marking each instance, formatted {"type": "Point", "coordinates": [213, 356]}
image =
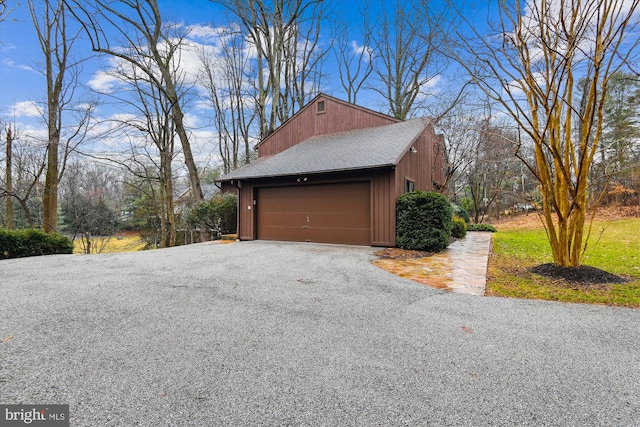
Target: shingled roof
{"type": "Point", "coordinates": [381, 146]}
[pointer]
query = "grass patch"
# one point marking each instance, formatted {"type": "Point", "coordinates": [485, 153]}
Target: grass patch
{"type": "Point", "coordinates": [104, 245]}
{"type": "Point", "coordinates": [614, 246]}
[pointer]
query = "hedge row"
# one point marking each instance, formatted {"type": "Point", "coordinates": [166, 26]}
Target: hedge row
{"type": "Point", "coordinates": [481, 227]}
{"type": "Point", "coordinates": [30, 242]}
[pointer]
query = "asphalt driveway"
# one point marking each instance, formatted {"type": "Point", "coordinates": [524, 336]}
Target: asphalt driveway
{"type": "Point", "coordinates": [264, 333]}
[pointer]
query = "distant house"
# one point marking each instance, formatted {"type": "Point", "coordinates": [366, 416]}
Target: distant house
{"type": "Point", "coordinates": [332, 173]}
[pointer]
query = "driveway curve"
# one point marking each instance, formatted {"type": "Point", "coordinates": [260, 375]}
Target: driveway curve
{"type": "Point", "coordinates": [267, 333]}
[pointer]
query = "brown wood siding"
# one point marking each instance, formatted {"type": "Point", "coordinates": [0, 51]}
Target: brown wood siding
{"type": "Point", "coordinates": [417, 166]}
{"type": "Point", "coordinates": [246, 213]}
{"type": "Point", "coordinates": [384, 209]}
{"type": "Point", "coordinates": [338, 116]}
{"type": "Point", "coordinates": [324, 213]}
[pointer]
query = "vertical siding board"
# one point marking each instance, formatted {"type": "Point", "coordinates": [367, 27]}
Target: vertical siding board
{"type": "Point", "coordinates": [418, 166]}
{"type": "Point", "coordinates": [339, 116]}
{"type": "Point", "coordinates": [245, 228]}
{"type": "Point", "coordinates": [384, 228]}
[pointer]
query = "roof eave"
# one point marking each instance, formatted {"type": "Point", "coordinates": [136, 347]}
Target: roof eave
{"type": "Point", "coordinates": [316, 172]}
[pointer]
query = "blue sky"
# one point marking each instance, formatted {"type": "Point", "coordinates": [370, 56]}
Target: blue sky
{"type": "Point", "coordinates": [22, 85]}
{"type": "Point", "coordinates": [20, 55]}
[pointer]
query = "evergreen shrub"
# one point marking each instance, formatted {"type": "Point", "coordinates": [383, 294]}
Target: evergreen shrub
{"type": "Point", "coordinates": [481, 227]}
{"type": "Point", "coordinates": [31, 242]}
{"type": "Point", "coordinates": [459, 227]}
{"type": "Point", "coordinates": [218, 213]}
{"type": "Point", "coordinates": [424, 221]}
{"type": "Point", "coordinates": [459, 211]}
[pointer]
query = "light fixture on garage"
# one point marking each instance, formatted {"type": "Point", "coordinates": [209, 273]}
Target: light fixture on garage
{"type": "Point", "coordinates": [413, 149]}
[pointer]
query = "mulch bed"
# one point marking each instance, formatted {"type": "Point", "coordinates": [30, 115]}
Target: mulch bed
{"type": "Point", "coordinates": [578, 275]}
{"type": "Point", "coordinates": [401, 254]}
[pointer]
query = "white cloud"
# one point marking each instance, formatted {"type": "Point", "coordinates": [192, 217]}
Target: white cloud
{"type": "Point", "coordinates": [27, 109]}
{"type": "Point", "coordinates": [191, 121]}
{"type": "Point", "coordinates": [103, 82]}
{"type": "Point", "coordinates": [123, 117]}
{"type": "Point", "coordinates": [364, 51]}
{"type": "Point", "coordinates": [205, 33]}
{"type": "Point", "coordinates": [432, 83]}
{"type": "Point", "coordinates": [11, 63]}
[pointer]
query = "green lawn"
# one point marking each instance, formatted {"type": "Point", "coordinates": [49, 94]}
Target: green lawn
{"type": "Point", "coordinates": [614, 246]}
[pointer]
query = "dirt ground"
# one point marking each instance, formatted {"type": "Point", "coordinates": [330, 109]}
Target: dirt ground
{"type": "Point", "coordinates": [533, 219]}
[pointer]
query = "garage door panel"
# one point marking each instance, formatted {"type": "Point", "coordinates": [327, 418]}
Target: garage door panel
{"type": "Point", "coordinates": [338, 235]}
{"type": "Point", "coordinates": [285, 233]}
{"type": "Point", "coordinates": [284, 218]}
{"type": "Point", "coordinates": [338, 219]}
{"type": "Point", "coordinates": [329, 213]}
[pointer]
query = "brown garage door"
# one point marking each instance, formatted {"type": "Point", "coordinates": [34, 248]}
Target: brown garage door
{"type": "Point", "coordinates": [331, 213]}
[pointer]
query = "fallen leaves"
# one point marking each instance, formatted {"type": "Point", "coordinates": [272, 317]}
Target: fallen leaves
{"type": "Point", "coordinates": [533, 219]}
{"type": "Point", "coordinates": [401, 254]}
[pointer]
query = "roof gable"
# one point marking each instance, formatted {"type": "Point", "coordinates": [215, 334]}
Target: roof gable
{"type": "Point", "coordinates": [310, 121]}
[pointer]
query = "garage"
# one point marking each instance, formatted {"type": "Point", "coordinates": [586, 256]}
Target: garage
{"type": "Point", "coordinates": [323, 213]}
{"type": "Point", "coordinates": [333, 173]}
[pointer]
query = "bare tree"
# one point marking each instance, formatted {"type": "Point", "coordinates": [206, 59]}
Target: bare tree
{"type": "Point", "coordinates": [148, 136]}
{"type": "Point", "coordinates": [354, 60]}
{"type": "Point", "coordinates": [147, 45]}
{"type": "Point", "coordinates": [224, 75]}
{"type": "Point", "coordinates": [531, 66]}
{"type": "Point", "coordinates": [492, 164]}
{"type": "Point", "coordinates": [405, 41]}
{"type": "Point", "coordinates": [460, 130]}
{"type": "Point", "coordinates": [24, 165]}
{"type": "Point", "coordinates": [6, 9]}
{"type": "Point", "coordinates": [50, 22]}
{"type": "Point", "coordinates": [285, 35]}
{"type": "Point", "coordinates": [8, 181]}
{"type": "Point", "coordinates": [89, 196]}
{"type": "Point", "coordinates": [153, 123]}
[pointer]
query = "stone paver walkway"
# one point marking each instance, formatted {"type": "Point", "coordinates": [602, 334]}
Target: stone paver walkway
{"type": "Point", "coordinates": [461, 268]}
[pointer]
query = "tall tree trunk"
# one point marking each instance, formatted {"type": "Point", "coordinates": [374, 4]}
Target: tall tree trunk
{"type": "Point", "coordinates": [178, 120]}
{"type": "Point", "coordinates": [51, 29]}
{"type": "Point", "coordinates": [50, 192]}
{"type": "Point", "coordinates": [9, 179]}
{"type": "Point", "coordinates": [171, 217]}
